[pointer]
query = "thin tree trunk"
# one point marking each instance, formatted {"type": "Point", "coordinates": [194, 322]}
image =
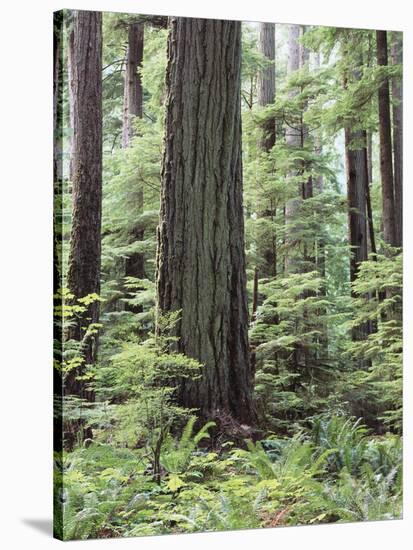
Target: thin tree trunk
{"type": "Point", "coordinates": [266, 96]}
{"type": "Point", "coordinates": [253, 354]}
{"type": "Point", "coordinates": [133, 96]}
{"type": "Point", "coordinates": [83, 276]}
{"type": "Point", "coordinates": [266, 80]}
{"type": "Point", "coordinates": [386, 160]}
{"type": "Point", "coordinates": [133, 109]}
{"type": "Point", "coordinates": [357, 185]}
{"type": "Point", "coordinates": [293, 136]}
{"type": "Point", "coordinates": [369, 168]}
{"type": "Point", "coordinates": [397, 93]}
{"type": "Point", "coordinates": [201, 259]}
{"type": "Point", "coordinates": [319, 188]}
{"type": "Point", "coordinates": [370, 157]}
{"type": "Point", "coordinates": [255, 295]}
{"type": "Point", "coordinates": [70, 92]}
{"type": "Point", "coordinates": [356, 169]}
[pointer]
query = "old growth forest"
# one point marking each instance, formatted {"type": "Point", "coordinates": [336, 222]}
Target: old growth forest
{"type": "Point", "coordinates": [228, 275]}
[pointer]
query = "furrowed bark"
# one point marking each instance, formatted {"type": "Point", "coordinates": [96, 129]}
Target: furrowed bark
{"type": "Point", "coordinates": [200, 259]}
{"type": "Point", "coordinates": [266, 80]}
{"type": "Point", "coordinates": [357, 182]}
{"type": "Point", "coordinates": [83, 276]}
{"type": "Point", "coordinates": [133, 97]}
{"type": "Point", "coordinates": [386, 160]}
{"type": "Point", "coordinates": [266, 96]}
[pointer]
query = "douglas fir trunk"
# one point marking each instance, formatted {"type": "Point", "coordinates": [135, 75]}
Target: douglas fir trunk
{"type": "Point", "coordinates": [201, 262]}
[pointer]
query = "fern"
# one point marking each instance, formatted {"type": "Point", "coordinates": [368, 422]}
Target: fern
{"type": "Point", "coordinates": [175, 457]}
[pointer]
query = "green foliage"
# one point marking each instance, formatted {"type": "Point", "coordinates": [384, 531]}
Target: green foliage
{"type": "Point", "coordinates": [175, 457]}
{"type": "Point", "coordinates": [291, 356]}
{"type": "Point", "coordinates": [143, 379]}
{"type": "Point", "coordinates": [378, 302]}
{"type": "Point", "coordinates": [371, 498]}
{"type": "Point", "coordinates": [329, 405]}
{"type": "Point", "coordinates": [346, 435]}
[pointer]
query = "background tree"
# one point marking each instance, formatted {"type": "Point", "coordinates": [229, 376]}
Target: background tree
{"type": "Point", "coordinates": [397, 106]}
{"type": "Point", "coordinates": [293, 138]}
{"type": "Point", "coordinates": [83, 277]}
{"type": "Point", "coordinates": [133, 93]}
{"type": "Point", "coordinates": [266, 96]}
{"type": "Point", "coordinates": [357, 182]}
{"type": "Point", "coordinates": [266, 79]}
{"type": "Point", "coordinates": [132, 109]}
{"type": "Point", "coordinates": [386, 157]}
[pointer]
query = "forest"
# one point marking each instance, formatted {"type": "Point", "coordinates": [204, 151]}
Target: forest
{"type": "Point", "coordinates": [227, 275]}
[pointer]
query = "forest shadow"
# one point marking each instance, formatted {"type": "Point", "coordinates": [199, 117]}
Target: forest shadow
{"type": "Point", "coordinates": [44, 526]}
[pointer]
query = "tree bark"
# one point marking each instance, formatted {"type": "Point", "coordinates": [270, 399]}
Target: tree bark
{"type": "Point", "coordinates": [386, 160]}
{"type": "Point", "coordinates": [371, 235]}
{"type": "Point", "coordinates": [200, 259]}
{"type": "Point", "coordinates": [370, 157]}
{"type": "Point", "coordinates": [133, 96]}
{"type": "Point", "coordinates": [293, 137]}
{"type": "Point", "coordinates": [357, 182]}
{"type": "Point", "coordinates": [357, 188]}
{"type": "Point", "coordinates": [57, 248]}
{"type": "Point", "coordinates": [83, 276]}
{"type": "Point", "coordinates": [397, 93]}
{"type": "Point", "coordinates": [266, 96]}
{"type": "Point", "coordinates": [307, 189]}
{"type": "Point", "coordinates": [132, 109]}
{"type": "Point", "coordinates": [266, 81]}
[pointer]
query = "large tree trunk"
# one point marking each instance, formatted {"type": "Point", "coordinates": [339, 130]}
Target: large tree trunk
{"type": "Point", "coordinates": [200, 260]}
{"type": "Point", "coordinates": [397, 92]}
{"type": "Point", "coordinates": [386, 160]}
{"type": "Point", "coordinates": [132, 109]}
{"type": "Point", "coordinates": [357, 182]}
{"type": "Point", "coordinates": [83, 276]}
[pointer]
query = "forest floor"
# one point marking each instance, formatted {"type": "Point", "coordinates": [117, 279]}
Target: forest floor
{"type": "Point", "coordinates": [333, 472]}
